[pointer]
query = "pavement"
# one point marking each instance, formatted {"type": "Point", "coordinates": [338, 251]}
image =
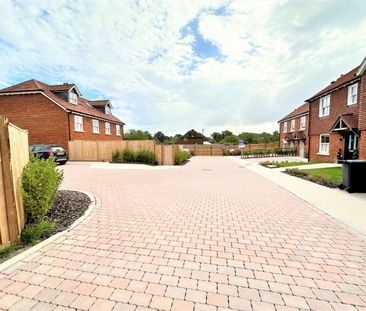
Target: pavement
{"type": "Point", "coordinates": [348, 208]}
{"type": "Point", "coordinates": [211, 235]}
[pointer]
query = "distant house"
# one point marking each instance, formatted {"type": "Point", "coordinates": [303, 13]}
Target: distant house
{"type": "Point", "coordinates": [192, 137]}
{"type": "Point", "coordinates": [294, 130]}
{"type": "Point", "coordinates": [56, 114]}
{"type": "Point", "coordinates": [338, 118]}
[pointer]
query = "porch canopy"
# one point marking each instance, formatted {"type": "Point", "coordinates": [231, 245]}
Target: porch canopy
{"type": "Point", "coordinates": [345, 123]}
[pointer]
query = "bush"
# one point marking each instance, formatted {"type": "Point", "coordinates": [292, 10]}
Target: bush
{"type": "Point", "coordinates": [128, 156]}
{"type": "Point", "coordinates": [117, 156]}
{"type": "Point", "coordinates": [40, 181]}
{"type": "Point", "coordinates": [181, 157]}
{"type": "Point", "coordinates": [34, 232]}
{"type": "Point", "coordinates": [145, 156]}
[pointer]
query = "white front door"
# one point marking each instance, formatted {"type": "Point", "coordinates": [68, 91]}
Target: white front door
{"type": "Point", "coordinates": [302, 149]}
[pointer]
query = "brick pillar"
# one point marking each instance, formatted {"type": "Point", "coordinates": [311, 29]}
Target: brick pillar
{"type": "Point", "coordinates": [362, 146]}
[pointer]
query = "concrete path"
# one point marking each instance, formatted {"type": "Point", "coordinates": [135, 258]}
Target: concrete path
{"type": "Point", "coordinates": [348, 208]}
{"type": "Point", "coordinates": [207, 236]}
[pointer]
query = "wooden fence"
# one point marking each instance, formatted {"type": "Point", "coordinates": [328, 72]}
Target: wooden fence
{"type": "Point", "coordinates": [13, 157]}
{"type": "Point", "coordinates": [84, 150]}
{"type": "Point", "coordinates": [215, 150]}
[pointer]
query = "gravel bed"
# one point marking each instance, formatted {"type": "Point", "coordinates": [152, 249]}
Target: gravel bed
{"type": "Point", "coordinates": [68, 207]}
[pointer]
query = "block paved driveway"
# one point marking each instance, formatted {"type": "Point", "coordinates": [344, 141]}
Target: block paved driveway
{"type": "Point", "coordinates": [206, 236]}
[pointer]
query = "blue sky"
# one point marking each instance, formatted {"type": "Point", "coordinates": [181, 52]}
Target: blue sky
{"type": "Point", "coordinates": [175, 65]}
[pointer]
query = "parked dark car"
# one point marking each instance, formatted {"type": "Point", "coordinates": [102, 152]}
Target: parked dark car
{"type": "Point", "coordinates": [55, 152]}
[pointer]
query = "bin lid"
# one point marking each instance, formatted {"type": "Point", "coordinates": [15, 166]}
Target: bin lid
{"type": "Point", "coordinates": [352, 162]}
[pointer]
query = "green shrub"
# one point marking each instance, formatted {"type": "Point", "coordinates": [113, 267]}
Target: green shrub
{"type": "Point", "coordinates": [5, 251]}
{"type": "Point", "coordinates": [32, 233]}
{"type": "Point", "coordinates": [117, 156]}
{"type": "Point", "coordinates": [145, 156]}
{"type": "Point", "coordinates": [128, 156]}
{"type": "Point", "coordinates": [40, 181]}
{"type": "Point", "coordinates": [181, 157]}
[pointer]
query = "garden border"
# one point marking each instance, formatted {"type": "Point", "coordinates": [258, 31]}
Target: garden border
{"type": "Point", "coordinates": [13, 260]}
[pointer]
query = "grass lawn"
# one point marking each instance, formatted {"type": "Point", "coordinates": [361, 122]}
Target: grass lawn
{"type": "Point", "coordinates": [289, 164]}
{"type": "Point", "coordinates": [333, 173]}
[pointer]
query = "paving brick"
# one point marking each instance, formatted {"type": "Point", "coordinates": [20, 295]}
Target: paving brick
{"type": "Point", "coordinates": [193, 246]}
{"type": "Point", "coordinates": [181, 305]}
{"type": "Point", "coordinates": [161, 303]}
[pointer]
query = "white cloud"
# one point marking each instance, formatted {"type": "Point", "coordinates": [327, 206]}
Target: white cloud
{"type": "Point", "coordinates": [273, 55]}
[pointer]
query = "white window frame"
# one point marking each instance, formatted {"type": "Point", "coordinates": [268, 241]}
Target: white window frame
{"type": "Point", "coordinates": [73, 98]}
{"type": "Point", "coordinates": [107, 128]}
{"type": "Point", "coordinates": [302, 123]}
{"type": "Point", "coordinates": [108, 110]}
{"type": "Point", "coordinates": [96, 128]}
{"type": "Point", "coordinates": [352, 94]}
{"type": "Point", "coordinates": [324, 147]}
{"type": "Point", "coordinates": [118, 130]}
{"type": "Point", "coordinates": [324, 106]}
{"type": "Point", "coordinates": [292, 125]}
{"type": "Point", "coordinates": [79, 124]}
{"type": "Point", "coordinates": [285, 127]}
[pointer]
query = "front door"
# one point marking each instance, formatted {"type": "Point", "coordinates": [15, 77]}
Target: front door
{"type": "Point", "coordinates": [351, 143]}
{"type": "Point", "coordinates": [302, 149]}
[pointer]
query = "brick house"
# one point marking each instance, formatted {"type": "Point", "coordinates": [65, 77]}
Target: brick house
{"type": "Point", "coordinates": [56, 114]}
{"type": "Point", "coordinates": [294, 130]}
{"type": "Point", "coordinates": [338, 118]}
{"type": "Point", "coordinates": [192, 137]}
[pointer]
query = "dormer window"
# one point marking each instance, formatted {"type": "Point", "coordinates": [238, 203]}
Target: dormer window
{"type": "Point", "coordinates": [108, 110]}
{"type": "Point", "coordinates": [73, 98]}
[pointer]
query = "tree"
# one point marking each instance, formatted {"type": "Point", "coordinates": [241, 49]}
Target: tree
{"type": "Point", "coordinates": [137, 135]}
{"type": "Point", "coordinates": [160, 137]}
{"type": "Point", "coordinates": [276, 136]}
{"type": "Point", "coordinates": [230, 139]}
{"type": "Point", "coordinates": [216, 136]}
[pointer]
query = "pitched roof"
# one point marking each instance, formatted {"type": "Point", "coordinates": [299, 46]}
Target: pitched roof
{"type": "Point", "coordinates": [304, 108]}
{"type": "Point", "coordinates": [84, 106]}
{"type": "Point", "coordinates": [343, 79]}
{"type": "Point", "coordinates": [193, 134]}
{"type": "Point", "coordinates": [348, 119]}
{"type": "Point", "coordinates": [99, 103]}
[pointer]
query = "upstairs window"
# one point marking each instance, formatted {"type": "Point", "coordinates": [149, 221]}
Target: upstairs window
{"type": "Point", "coordinates": [108, 128]}
{"type": "Point", "coordinates": [108, 110]}
{"type": "Point", "coordinates": [73, 98]}
{"type": "Point", "coordinates": [285, 127]}
{"type": "Point", "coordinates": [292, 125]}
{"type": "Point", "coordinates": [324, 106]}
{"type": "Point", "coordinates": [118, 130]}
{"type": "Point", "coordinates": [78, 120]}
{"type": "Point", "coordinates": [324, 144]}
{"type": "Point", "coordinates": [96, 126]}
{"type": "Point", "coordinates": [302, 122]}
{"type": "Point", "coordinates": [352, 94]}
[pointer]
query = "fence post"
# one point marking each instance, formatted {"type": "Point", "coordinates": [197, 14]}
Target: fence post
{"type": "Point", "coordinates": [11, 209]}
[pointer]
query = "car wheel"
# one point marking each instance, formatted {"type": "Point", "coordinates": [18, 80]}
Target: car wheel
{"type": "Point", "coordinates": [62, 162]}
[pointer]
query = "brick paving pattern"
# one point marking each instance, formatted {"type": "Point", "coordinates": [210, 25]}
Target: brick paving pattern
{"type": "Point", "coordinates": [207, 236]}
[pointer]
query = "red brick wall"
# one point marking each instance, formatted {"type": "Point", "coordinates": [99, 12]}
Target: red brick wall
{"type": "Point", "coordinates": [335, 143]}
{"type": "Point", "coordinates": [362, 146]}
{"type": "Point", "coordinates": [45, 121]}
{"type": "Point", "coordinates": [323, 125]}
{"type": "Point", "coordinates": [88, 130]}
{"type": "Point", "coordinates": [297, 129]}
{"type": "Point", "coordinates": [190, 141]}
{"type": "Point", "coordinates": [362, 99]}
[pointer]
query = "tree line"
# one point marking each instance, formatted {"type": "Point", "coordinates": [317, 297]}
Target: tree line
{"type": "Point", "coordinates": [224, 137]}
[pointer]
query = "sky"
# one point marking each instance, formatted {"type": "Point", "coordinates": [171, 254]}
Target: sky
{"type": "Point", "coordinates": [173, 65]}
